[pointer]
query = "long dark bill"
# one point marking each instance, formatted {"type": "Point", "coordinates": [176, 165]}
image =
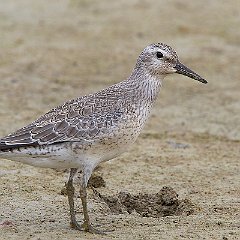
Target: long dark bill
{"type": "Point", "coordinates": [182, 69]}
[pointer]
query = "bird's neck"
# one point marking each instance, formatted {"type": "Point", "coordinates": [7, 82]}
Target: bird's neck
{"type": "Point", "coordinates": [145, 86]}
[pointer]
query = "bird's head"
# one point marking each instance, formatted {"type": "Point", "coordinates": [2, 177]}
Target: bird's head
{"type": "Point", "coordinates": [160, 60]}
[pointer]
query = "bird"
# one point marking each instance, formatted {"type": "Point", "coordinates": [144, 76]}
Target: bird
{"type": "Point", "coordinates": [86, 131]}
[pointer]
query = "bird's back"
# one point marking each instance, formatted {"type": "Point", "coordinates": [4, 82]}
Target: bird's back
{"type": "Point", "coordinates": [105, 114]}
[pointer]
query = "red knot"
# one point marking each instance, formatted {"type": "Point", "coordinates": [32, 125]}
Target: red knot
{"type": "Point", "coordinates": [83, 132]}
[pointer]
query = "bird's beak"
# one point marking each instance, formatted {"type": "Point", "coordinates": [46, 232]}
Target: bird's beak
{"type": "Point", "coordinates": [182, 69]}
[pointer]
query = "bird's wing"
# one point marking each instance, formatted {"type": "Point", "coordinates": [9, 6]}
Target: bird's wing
{"type": "Point", "coordinates": [79, 119]}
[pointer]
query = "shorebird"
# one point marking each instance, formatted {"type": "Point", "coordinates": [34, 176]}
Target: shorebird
{"type": "Point", "coordinates": [83, 132]}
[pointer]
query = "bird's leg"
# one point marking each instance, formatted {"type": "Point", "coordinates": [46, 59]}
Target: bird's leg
{"type": "Point", "coordinates": [83, 196]}
{"type": "Point", "coordinates": [70, 193]}
{"type": "Point", "coordinates": [87, 224]}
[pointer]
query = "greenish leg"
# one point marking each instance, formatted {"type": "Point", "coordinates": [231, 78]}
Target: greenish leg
{"type": "Point", "coordinates": [70, 193]}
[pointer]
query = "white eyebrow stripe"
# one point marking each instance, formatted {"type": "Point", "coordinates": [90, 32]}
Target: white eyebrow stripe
{"type": "Point", "coordinates": [165, 53]}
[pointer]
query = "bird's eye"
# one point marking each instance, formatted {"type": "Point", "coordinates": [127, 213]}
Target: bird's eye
{"type": "Point", "coordinates": [159, 55]}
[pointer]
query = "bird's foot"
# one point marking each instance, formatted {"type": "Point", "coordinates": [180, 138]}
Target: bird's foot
{"type": "Point", "coordinates": [86, 227]}
{"type": "Point", "coordinates": [89, 228]}
{"type": "Point", "coordinates": [75, 225]}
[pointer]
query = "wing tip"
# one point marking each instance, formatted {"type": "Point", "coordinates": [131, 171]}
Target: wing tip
{"type": "Point", "coordinates": [4, 147]}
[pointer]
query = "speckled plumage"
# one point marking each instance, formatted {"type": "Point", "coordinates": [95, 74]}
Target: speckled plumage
{"type": "Point", "coordinates": [85, 131]}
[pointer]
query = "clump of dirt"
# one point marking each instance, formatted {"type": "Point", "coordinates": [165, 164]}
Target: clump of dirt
{"type": "Point", "coordinates": [161, 204]}
{"type": "Point", "coordinates": [96, 181]}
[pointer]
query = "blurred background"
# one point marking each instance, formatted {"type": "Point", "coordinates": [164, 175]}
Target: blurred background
{"type": "Point", "coordinates": [52, 51]}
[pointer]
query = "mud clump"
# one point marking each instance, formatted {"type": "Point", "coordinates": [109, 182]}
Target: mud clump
{"type": "Point", "coordinates": [96, 181]}
{"type": "Point", "coordinates": [161, 204]}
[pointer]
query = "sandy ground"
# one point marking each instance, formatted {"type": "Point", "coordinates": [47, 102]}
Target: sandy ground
{"type": "Point", "coordinates": [52, 51]}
